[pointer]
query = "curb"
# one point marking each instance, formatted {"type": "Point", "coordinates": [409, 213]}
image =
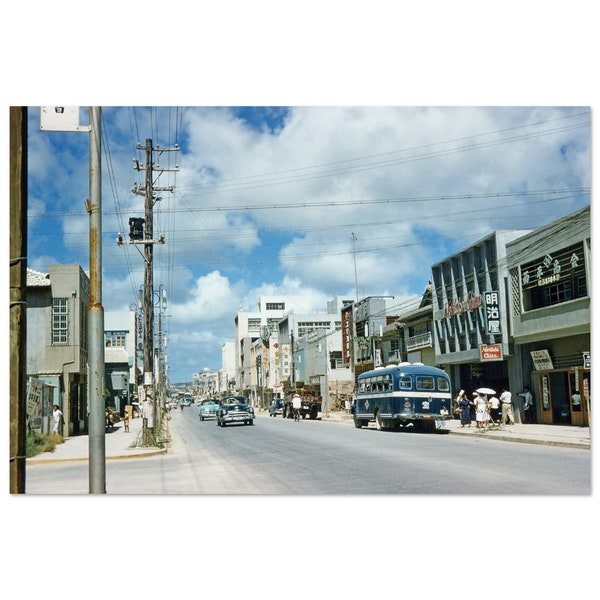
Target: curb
{"type": "Point", "coordinates": [504, 438]}
{"type": "Point", "coordinates": [45, 461]}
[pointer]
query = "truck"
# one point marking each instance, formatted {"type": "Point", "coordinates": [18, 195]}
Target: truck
{"type": "Point", "coordinates": [310, 404]}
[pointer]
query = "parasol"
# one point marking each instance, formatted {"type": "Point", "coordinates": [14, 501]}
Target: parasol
{"type": "Point", "coordinates": [488, 391]}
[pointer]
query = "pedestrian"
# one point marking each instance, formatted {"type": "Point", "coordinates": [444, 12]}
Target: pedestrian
{"type": "Point", "coordinates": [110, 419]}
{"type": "Point", "coordinates": [57, 420]}
{"type": "Point", "coordinates": [126, 421]}
{"type": "Point", "coordinates": [506, 402]}
{"type": "Point", "coordinates": [464, 407]}
{"type": "Point", "coordinates": [481, 414]}
{"type": "Point", "coordinates": [495, 409]}
{"type": "Point", "coordinates": [528, 410]}
{"type": "Point", "coordinates": [296, 405]}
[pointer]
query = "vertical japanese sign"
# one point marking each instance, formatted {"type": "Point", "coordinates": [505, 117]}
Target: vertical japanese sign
{"type": "Point", "coordinates": [491, 301]}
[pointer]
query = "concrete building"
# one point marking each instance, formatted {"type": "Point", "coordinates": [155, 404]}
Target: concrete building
{"type": "Point", "coordinates": [471, 316]}
{"type": "Point", "coordinates": [550, 298]}
{"type": "Point", "coordinates": [370, 316]}
{"type": "Point", "coordinates": [57, 349]}
{"type": "Point", "coordinates": [410, 337]}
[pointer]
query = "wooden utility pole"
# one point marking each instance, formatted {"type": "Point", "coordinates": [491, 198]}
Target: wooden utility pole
{"type": "Point", "coordinates": [148, 191]}
{"type": "Point", "coordinates": [18, 297]}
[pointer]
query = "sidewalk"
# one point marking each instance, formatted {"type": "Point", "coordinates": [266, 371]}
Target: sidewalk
{"type": "Point", "coordinates": [569, 436]}
{"type": "Point", "coordinates": [118, 444]}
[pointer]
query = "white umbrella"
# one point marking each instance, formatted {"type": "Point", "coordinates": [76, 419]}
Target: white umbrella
{"type": "Point", "coordinates": [488, 391]}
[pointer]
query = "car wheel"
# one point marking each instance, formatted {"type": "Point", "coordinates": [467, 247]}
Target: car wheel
{"type": "Point", "coordinates": [251, 422]}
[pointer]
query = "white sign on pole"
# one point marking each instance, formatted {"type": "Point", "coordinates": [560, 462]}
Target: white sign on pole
{"type": "Point", "coordinates": [61, 118]}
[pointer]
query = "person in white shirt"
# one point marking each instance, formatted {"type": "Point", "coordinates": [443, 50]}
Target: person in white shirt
{"type": "Point", "coordinates": [506, 402]}
{"type": "Point", "coordinates": [296, 405]}
{"type": "Point", "coordinates": [495, 409]}
{"type": "Point", "coordinates": [57, 420]}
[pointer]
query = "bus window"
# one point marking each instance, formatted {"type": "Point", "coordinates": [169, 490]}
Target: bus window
{"type": "Point", "coordinates": [387, 383]}
{"type": "Point", "coordinates": [425, 383]}
{"type": "Point", "coordinates": [443, 385]}
{"type": "Point", "coordinates": [406, 383]}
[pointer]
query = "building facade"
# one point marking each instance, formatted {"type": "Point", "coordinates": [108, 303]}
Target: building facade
{"type": "Point", "coordinates": [550, 308]}
{"type": "Point", "coordinates": [57, 349]}
{"type": "Point", "coordinates": [471, 314]}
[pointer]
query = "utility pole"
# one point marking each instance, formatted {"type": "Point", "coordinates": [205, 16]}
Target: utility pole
{"type": "Point", "coordinates": [148, 191]}
{"type": "Point", "coordinates": [18, 296]}
{"type": "Point", "coordinates": [97, 420]}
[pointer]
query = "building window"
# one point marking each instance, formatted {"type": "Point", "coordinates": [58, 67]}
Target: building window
{"type": "Point", "coordinates": [554, 278]}
{"type": "Point", "coordinates": [275, 305]}
{"type": "Point", "coordinates": [60, 321]}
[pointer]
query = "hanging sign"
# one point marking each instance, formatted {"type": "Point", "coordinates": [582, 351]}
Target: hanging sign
{"type": "Point", "coordinates": [491, 301]}
{"type": "Point", "coordinates": [61, 118]}
{"type": "Point", "coordinates": [541, 360]}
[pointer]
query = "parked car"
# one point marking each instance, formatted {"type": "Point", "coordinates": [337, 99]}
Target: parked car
{"type": "Point", "coordinates": [235, 409]}
{"type": "Point", "coordinates": [208, 408]}
{"type": "Point", "coordinates": [276, 407]}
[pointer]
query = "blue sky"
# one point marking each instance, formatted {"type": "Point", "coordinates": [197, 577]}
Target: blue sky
{"type": "Point", "coordinates": [266, 201]}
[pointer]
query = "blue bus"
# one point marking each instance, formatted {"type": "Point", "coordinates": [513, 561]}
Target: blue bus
{"type": "Point", "coordinates": [403, 394]}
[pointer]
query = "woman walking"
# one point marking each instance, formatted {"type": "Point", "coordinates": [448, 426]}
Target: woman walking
{"type": "Point", "coordinates": [464, 407]}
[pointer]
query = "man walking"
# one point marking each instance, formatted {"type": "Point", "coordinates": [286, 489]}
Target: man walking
{"type": "Point", "coordinates": [296, 405]}
{"type": "Point", "coordinates": [507, 411]}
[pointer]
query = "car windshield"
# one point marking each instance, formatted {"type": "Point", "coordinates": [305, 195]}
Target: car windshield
{"type": "Point", "coordinates": [209, 402]}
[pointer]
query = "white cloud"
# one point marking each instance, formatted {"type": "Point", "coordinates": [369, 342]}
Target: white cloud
{"type": "Point", "coordinates": [212, 299]}
{"type": "Point", "coordinates": [391, 175]}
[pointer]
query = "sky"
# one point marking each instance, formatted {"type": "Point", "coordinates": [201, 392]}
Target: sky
{"type": "Point", "coordinates": [310, 201]}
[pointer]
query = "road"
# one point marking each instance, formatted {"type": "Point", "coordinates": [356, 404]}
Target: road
{"type": "Point", "coordinates": [282, 457]}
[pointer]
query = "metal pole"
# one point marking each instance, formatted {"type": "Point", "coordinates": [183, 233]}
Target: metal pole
{"type": "Point", "coordinates": [97, 442]}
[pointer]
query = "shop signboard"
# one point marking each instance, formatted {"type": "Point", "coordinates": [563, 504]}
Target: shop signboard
{"type": "Point", "coordinates": [489, 352]}
{"type": "Point", "coordinates": [541, 360]}
{"type": "Point", "coordinates": [491, 301]}
{"type": "Point", "coordinates": [587, 360]}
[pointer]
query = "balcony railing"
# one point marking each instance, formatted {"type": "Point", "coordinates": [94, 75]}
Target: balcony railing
{"type": "Point", "coordinates": [422, 340]}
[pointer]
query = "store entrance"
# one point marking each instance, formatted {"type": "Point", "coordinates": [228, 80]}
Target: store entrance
{"type": "Point", "coordinates": [579, 395]}
{"type": "Point", "coordinates": [564, 397]}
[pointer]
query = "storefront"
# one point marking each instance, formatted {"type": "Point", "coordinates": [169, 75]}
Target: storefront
{"type": "Point", "coordinates": [551, 318]}
{"type": "Point", "coordinates": [470, 315]}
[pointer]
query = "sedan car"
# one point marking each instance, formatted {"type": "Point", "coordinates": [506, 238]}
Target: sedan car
{"type": "Point", "coordinates": [235, 409]}
{"type": "Point", "coordinates": [208, 409]}
{"type": "Point", "coordinates": [276, 407]}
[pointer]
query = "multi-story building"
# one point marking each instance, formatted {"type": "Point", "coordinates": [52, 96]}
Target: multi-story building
{"type": "Point", "coordinates": [371, 315]}
{"type": "Point", "coordinates": [57, 350]}
{"type": "Point", "coordinates": [410, 337]}
{"type": "Point", "coordinates": [550, 297]}
{"type": "Point", "coordinates": [470, 313]}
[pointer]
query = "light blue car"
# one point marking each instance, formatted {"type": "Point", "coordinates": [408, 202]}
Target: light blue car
{"type": "Point", "coordinates": [208, 409]}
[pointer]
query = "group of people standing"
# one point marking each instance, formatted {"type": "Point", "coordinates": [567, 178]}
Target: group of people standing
{"type": "Point", "coordinates": [487, 407]}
